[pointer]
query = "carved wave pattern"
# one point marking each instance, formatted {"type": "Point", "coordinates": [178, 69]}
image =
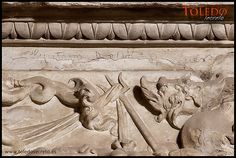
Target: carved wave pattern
{"type": "Point", "coordinates": [118, 31]}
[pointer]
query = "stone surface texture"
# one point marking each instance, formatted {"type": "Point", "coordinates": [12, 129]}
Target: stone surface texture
{"type": "Point", "coordinates": [120, 96]}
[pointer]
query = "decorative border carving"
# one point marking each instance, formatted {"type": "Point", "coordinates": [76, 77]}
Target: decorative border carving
{"type": "Point", "coordinates": [116, 31]}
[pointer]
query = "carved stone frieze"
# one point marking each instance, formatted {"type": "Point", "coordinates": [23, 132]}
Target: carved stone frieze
{"type": "Point", "coordinates": [117, 79]}
{"type": "Point", "coordinates": [117, 31]}
{"type": "Point", "coordinates": [173, 98]}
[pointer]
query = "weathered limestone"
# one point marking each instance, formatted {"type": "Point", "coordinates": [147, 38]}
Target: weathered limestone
{"type": "Point", "coordinates": [119, 59]}
{"type": "Point", "coordinates": [74, 86]}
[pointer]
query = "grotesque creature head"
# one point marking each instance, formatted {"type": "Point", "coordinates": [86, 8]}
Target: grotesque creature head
{"type": "Point", "coordinates": [91, 106]}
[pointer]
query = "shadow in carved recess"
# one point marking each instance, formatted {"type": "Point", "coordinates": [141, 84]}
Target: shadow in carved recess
{"type": "Point", "coordinates": [138, 95]}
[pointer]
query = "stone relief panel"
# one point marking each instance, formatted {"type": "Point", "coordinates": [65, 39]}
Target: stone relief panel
{"type": "Point", "coordinates": [201, 134]}
{"type": "Point", "coordinates": [117, 79]}
{"type": "Point", "coordinates": [129, 113]}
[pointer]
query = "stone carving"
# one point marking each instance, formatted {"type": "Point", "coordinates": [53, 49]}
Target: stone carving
{"type": "Point", "coordinates": [210, 130]}
{"type": "Point", "coordinates": [200, 134]}
{"type": "Point", "coordinates": [119, 31]}
{"type": "Point", "coordinates": [123, 146]}
{"type": "Point", "coordinates": [92, 103]}
{"type": "Point", "coordinates": [63, 93]}
{"type": "Point", "coordinates": [170, 98]}
{"type": "Point", "coordinates": [11, 94]}
{"type": "Point", "coordinates": [83, 97]}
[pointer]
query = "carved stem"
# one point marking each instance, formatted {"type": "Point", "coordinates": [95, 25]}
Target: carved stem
{"type": "Point", "coordinates": [150, 139]}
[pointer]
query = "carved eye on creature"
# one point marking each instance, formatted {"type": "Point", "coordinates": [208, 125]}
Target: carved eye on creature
{"type": "Point", "coordinates": [175, 100]}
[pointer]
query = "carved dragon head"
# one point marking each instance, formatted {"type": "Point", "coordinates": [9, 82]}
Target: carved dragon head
{"type": "Point", "coordinates": [171, 95]}
{"type": "Point", "coordinates": [91, 105]}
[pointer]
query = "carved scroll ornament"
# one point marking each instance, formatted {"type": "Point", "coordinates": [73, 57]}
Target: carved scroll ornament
{"type": "Point", "coordinates": [118, 31]}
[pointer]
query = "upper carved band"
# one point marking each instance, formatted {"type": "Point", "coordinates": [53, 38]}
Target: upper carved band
{"type": "Point", "coordinates": [118, 31]}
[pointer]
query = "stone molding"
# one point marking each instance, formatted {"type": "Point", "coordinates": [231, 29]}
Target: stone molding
{"type": "Point", "coordinates": [113, 4]}
{"type": "Point", "coordinates": [117, 31]}
{"type": "Point", "coordinates": [111, 12]}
